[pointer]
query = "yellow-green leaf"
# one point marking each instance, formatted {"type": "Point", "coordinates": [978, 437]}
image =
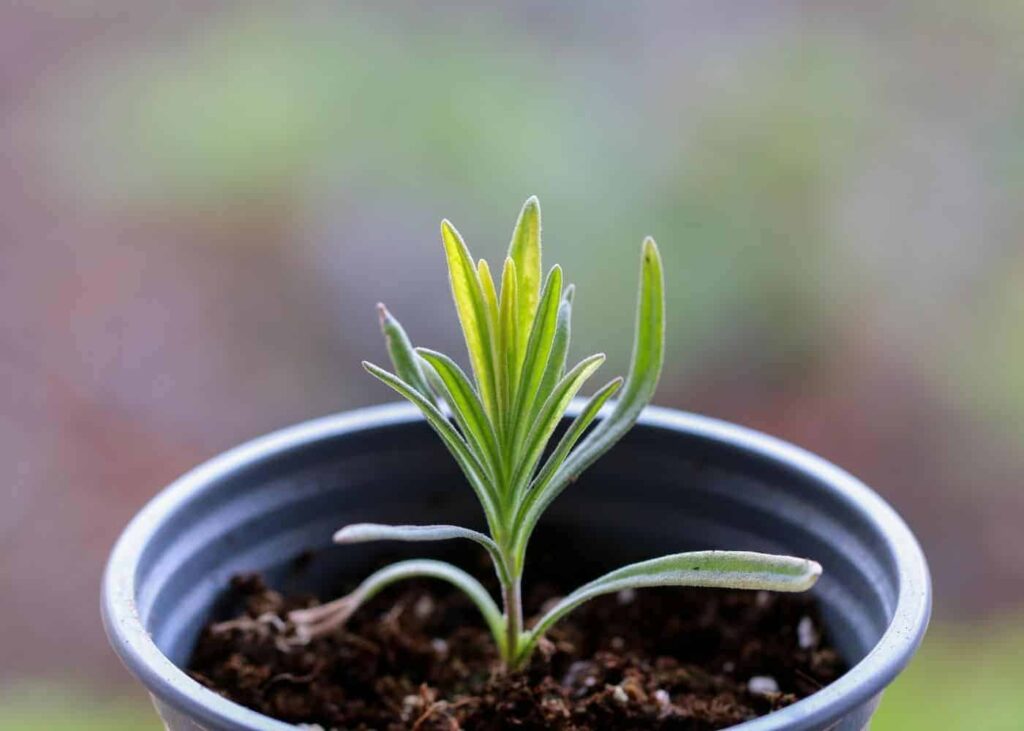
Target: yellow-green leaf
{"type": "Point", "coordinates": [524, 250]}
{"type": "Point", "coordinates": [472, 308]}
{"type": "Point", "coordinates": [508, 348]}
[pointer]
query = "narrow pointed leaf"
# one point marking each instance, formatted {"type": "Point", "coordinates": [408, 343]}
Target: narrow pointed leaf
{"type": "Point", "coordinates": [555, 367]}
{"type": "Point", "coordinates": [466, 408]}
{"type": "Point", "coordinates": [538, 349]}
{"type": "Point", "coordinates": [644, 370]}
{"type": "Point", "coordinates": [550, 414]}
{"type": "Point", "coordinates": [525, 251]}
{"type": "Point", "coordinates": [483, 273]}
{"type": "Point", "coordinates": [472, 309]}
{"type": "Point", "coordinates": [403, 356]}
{"type": "Point", "coordinates": [471, 466]}
{"type": "Point", "coordinates": [565, 444]}
{"type": "Point", "coordinates": [715, 569]}
{"type": "Point", "coordinates": [508, 339]}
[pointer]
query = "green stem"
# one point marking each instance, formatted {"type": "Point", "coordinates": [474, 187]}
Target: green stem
{"type": "Point", "coordinates": [512, 594]}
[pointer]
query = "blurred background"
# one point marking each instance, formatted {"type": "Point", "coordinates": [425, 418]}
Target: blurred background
{"type": "Point", "coordinates": [201, 202]}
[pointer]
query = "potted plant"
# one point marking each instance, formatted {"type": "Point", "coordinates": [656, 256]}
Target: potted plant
{"type": "Point", "coordinates": [721, 505]}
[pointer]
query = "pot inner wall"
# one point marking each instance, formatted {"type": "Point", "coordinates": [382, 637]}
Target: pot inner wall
{"type": "Point", "coordinates": [658, 491]}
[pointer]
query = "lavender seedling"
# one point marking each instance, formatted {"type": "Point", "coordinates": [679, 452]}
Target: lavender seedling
{"type": "Point", "coordinates": [498, 425]}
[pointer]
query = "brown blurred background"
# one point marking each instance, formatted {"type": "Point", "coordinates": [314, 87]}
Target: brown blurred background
{"type": "Point", "coordinates": [201, 202]}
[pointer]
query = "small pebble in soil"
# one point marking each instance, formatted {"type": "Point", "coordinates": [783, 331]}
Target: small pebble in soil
{"type": "Point", "coordinates": [806, 635]}
{"type": "Point", "coordinates": [424, 607]}
{"type": "Point", "coordinates": [762, 685]}
{"type": "Point", "coordinates": [440, 648]}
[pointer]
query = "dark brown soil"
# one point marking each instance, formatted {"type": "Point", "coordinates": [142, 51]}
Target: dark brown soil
{"type": "Point", "coordinates": [418, 657]}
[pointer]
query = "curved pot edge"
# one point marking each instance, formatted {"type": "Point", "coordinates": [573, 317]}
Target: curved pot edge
{"type": "Point", "coordinates": [865, 680]}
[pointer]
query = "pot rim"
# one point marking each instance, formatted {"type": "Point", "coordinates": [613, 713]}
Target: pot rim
{"type": "Point", "coordinates": [859, 685]}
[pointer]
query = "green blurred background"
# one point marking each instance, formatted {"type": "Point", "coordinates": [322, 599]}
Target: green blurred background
{"type": "Point", "coordinates": [201, 202]}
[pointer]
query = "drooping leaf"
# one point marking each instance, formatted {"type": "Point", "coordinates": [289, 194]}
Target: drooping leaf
{"type": "Point", "coordinates": [472, 307]}
{"type": "Point", "coordinates": [403, 355]}
{"type": "Point", "coordinates": [311, 622]}
{"type": "Point", "coordinates": [524, 250]}
{"type": "Point", "coordinates": [471, 467]}
{"type": "Point", "coordinates": [368, 532]}
{"type": "Point", "coordinates": [714, 569]}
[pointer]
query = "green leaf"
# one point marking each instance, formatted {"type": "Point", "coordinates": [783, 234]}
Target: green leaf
{"type": "Point", "coordinates": [317, 620]}
{"type": "Point", "coordinates": [467, 409]}
{"type": "Point", "coordinates": [403, 355]}
{"type": "Point", "coordinates": [367, 532]}
{"type": "Point", "coordinates": [644, 370]}
{"type": "Point", "coordinates": [538, 349]}
{"type": "Point", "coordinates": [508, 339]}
{"type": "Point", "coordinates": [554, 369]}
{"type": "Point", "coordinates": [550, 414]}
{"type": "Point", "coordinates": [714, 569]}
{"type": "Point", "coordinates": [524, 250]}
{"type": "Point", "coordinates": [474, 471]}
{"type": "Point", "coordinates": [579, 425]}
{"type": "Point", "coordinates": [483, 273]}
{"type": "Point", "coordinates": [472, 308]}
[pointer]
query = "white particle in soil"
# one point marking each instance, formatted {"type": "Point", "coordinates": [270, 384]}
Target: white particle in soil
{"type": "Point", "coordinates": [806, 635]}
{"type": "Point", "coordinates": [619, 695]}
{"type": "Point", "coordinates": [762, 599]}
{"type": "Point", "coordinates": [440, 647]}
{"type": "Point", "coordinates": [626, 596]}
{"type": "Point", "coordinates": [762, 685]}
{"type": "Point", "coordinates": [662, 698]}
{"type": "Point", "coordinates": [424, 607]}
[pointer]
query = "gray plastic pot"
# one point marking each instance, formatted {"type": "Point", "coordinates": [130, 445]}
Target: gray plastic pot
{"type": "Point", "coordinates": [677, 482]}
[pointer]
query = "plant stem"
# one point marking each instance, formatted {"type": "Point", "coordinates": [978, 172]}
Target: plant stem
{"type": "Point", "coordinates": [512, 594]}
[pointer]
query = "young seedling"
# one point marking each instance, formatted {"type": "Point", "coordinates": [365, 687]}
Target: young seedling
{"type": "Point", "coordinates": [497, 428]}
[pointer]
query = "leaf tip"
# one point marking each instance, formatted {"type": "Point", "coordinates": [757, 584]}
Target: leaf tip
{"type": "Point", "coordinates": [814, 571]}
{"type": "Point", "coordinates": [344, 535]}
{"type": "Point", "coordinates": [448, 232]}
{"type": "Point", "coordinates": [650, 249]}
